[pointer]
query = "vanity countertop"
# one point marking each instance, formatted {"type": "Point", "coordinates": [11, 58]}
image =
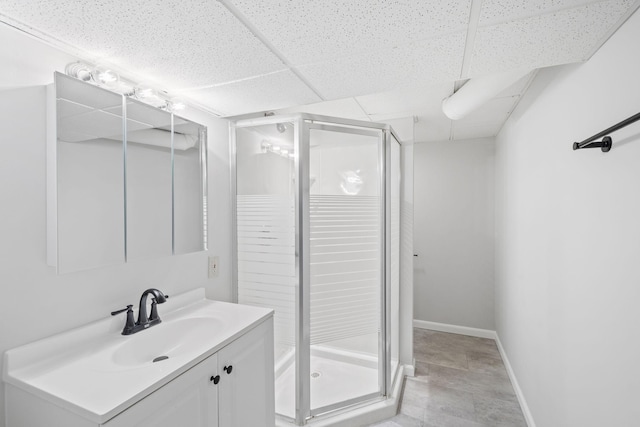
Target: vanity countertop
{"type": "Point", "coordinates": [97, 372]}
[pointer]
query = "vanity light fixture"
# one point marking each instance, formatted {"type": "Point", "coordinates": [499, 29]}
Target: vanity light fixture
{"type": "Point", "coordinates": [105, 77]}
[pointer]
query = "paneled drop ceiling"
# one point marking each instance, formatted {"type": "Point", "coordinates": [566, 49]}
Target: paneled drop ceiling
{"type": "Point", "coordinates": [367, 59]}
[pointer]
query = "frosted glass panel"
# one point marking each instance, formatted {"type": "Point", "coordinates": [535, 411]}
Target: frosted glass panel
{"type": "Point", "coordinates": [345, 265]}
{"type": "Point", "coordinates": [265, 218]}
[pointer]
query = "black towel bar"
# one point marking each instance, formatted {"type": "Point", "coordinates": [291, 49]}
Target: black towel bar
{"type": "Point", "coordinates": [606, 142]}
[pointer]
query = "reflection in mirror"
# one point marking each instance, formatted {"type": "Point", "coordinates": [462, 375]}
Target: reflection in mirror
{"type": "Point", "coordinates": [90, 176]}
{"type": "Point", "coordinates": [148, 175]}
{"type": "Point", "coordinates": [189, 174]}
{"type": "Point", "coordinates": [114, 198]}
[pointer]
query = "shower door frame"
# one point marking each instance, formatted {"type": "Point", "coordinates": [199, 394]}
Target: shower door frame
{"type": "Point", "coordinates": [303, 123]}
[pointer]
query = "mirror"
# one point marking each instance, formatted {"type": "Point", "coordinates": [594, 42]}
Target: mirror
{"type": "Point", "coordinates": [90, 177]}
{"type": "Point", "coordinates": [189, 185]}
{"type": "Point", "coordinates": [148, 166]}
{"type": "Point", "coordinates": [126, 180]}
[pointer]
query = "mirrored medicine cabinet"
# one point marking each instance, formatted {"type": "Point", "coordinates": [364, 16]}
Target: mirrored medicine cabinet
{"type": "Point", "coordinates": [126, 181]}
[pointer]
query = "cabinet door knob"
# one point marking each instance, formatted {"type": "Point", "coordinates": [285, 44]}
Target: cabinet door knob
{"type": "Point", "coordinates": [228, 369]}
{"type": "Point", "coordinates": [215, 379]}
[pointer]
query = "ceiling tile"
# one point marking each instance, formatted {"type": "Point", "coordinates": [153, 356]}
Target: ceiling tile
{"type": "Point", "coordinates": [496, 11]}
{"type": "Point", "coordinates": [269, 92]}
{"type": "Point", "coordinates": [401, 67]}
{"type": "Point", "coordinates": [518, 87]}
{"type": "Point", "coordinates": [307, 31]}
{"type": "Point", "coordinates": [569, 35]}
{"type": "Point", "coordinates": [346, 108]}
{"type": "Point", "coordinates": [168, 42]}
{"type": "Point", "coordinates": [402, 101]}
{"type": "Point", "coordinates": [431, 129]}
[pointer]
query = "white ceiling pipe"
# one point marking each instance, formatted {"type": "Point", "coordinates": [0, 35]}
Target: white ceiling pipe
{"type": "Point", "coordinates": [477, 91]}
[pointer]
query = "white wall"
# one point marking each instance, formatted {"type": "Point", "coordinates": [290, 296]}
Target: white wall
{"type": "Point", "coordinates": [454, 232]}
{"type": "Point", "coordinates": [568, 241]}
{"type": "Point", "coordinates": [34, 301]}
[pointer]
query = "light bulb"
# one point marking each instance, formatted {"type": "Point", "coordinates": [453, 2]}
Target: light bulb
{"type": "Point", "coordinates": [143, 92]}
{"type": "Point", "coordinates": [175, 105]}
{"type": "Point", "coordinates": [104, 76]}
{"type": "Point", "coordinates": [79, 70]}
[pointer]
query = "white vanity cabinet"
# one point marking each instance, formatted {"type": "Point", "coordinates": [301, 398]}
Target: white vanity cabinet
{"type": "Point", "coordinates": [217, 371]}
{"type": "Point", "coordinates": [246, 392]}
{"type": "Point", "coordinates": [242, 397]}
{"type": "Point", "coordinates": [189, 400]}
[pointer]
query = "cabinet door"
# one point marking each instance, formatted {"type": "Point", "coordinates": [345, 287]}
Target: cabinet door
{"type": "Point", "coordinates": [190, 400]}
{"type": "Point", "coordinates": [246, 394]}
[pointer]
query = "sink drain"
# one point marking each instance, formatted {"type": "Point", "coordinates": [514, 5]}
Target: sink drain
{"type": "Point", "coordinates": [315, 374]}
{"type": "Point", "coordinates": [159, 358]}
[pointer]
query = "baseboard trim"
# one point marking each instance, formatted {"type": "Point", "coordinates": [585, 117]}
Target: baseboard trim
{"type": "Point", "coordinates": [484, 333]}
{"type": "Point", "coordinates": [455, 329]}
{"type": "Point", "coordinates": [528, 417]}
{"type": "Point", "coordinates": [410, 370]}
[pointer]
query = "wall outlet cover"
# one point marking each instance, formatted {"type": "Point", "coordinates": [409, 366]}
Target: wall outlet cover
{"type": "Point", "coordinates": [214, 261]}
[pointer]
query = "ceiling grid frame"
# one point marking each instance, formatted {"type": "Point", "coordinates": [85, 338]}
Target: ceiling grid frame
{"type": "Point", "coordinates": [258, 34]}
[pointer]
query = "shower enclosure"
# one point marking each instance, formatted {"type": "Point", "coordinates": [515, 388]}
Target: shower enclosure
{"type": "Point", "coordinates": [317, 220]}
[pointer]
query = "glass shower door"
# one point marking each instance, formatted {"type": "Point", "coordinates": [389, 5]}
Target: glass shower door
{"type": "Point", "coordinates": [266, 241]}
{"type": "Point", "coordinates": [345, 265]}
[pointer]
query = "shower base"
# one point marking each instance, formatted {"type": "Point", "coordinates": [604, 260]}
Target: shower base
{"type": "Point", "coordinates": [336, 376]}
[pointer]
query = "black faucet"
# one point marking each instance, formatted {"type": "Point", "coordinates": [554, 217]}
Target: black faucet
{"type": "Point", "coordinates": [143, 322]}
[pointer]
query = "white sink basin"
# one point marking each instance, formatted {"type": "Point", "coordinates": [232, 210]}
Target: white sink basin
{"type": "Point", "coordinates": [166, 340]}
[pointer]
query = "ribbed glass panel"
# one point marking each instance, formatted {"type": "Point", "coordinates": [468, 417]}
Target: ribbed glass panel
{"type": "Point", "coordinates": [345, 257]}
{"type": "Point", "coordinates": [266, 258]}
{"type": "Point", "coordinates": [345, 266]}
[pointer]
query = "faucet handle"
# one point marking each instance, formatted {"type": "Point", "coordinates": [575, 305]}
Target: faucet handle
{"type": "Point", "coordinates": [130, 323]}
{"type": "Point", "coordinates": [127, 308]}
{"type": "Point", "coordinates": [154, 310]}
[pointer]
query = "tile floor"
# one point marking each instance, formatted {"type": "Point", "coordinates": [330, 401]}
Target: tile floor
{"type": "Point", "coordinates": [460, 382]}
